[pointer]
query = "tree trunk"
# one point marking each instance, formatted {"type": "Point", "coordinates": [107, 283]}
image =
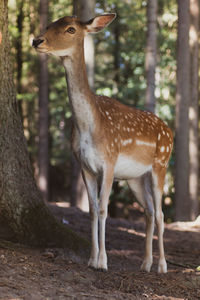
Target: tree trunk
{"type": "Point", "coordinates": [20, 19]}
{"type": "Point", "coordinates": [21, 207]}
{"type": "Point", "coordinates": [112, 207]}
{"type": "Point", "coordinates": [182, 205]}
{"type": "Point", "coordinates": [84, 11]}
{"type": "Point", "coordinates": [43, 151]}
{"type": "Point", "coordinates": [116, 53]}
{"type": "Point", "coordinates": [193, 110]}
{"type": "Point", "coordinates": [151, 53]}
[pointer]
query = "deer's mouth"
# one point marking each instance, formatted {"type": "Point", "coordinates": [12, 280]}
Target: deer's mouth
{"type": "Point", "coordinates": [39, 46]}
{"type": "Point", "coordinates": [37, 42]}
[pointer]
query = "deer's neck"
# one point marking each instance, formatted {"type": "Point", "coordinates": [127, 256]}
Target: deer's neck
{"type": "Point", "coordinates": [80, 95]}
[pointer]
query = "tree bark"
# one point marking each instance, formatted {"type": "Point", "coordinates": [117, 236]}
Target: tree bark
{"type": "Point", "coordinates": [193, 110]}
{"type": "Point", "coordinates": [21, 206]}
{"type": "Point", "coordinates": [84, 10]}
{"type": "Point", "coordinates": [116, 53]}
{"type": "Point", "coordinates": [151, 53]}
{"type": "Point", "coordinates": [182, 205]}
{"type": "Point", "coordinates": [43, 149]}
{"type": "Point", "coordinates": [20, 19]}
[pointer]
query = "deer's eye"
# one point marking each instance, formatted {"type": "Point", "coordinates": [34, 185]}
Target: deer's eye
{"type": "Point", "coordinates": [71, 30]}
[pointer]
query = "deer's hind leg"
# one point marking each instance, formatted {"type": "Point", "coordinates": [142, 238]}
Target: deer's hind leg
{"type": "Point", "coordinates": [142, 188]}
{"type": "Point", "coordinates": [158, 176]}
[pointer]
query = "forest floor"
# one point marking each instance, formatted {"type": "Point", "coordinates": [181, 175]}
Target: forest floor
{"type": "Point", "coordinates": [56, 274]}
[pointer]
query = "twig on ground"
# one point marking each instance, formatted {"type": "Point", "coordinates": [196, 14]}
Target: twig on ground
{"type": "Point", "coordinates": [180, 264]}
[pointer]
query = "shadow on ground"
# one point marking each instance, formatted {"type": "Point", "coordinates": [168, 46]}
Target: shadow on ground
{"type": "Point", "coordinates": [43, 274]}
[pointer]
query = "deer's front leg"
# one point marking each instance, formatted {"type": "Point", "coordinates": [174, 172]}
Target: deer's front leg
{"type": "Point", "coordinates": [106, 186]}
{"type": "Point", "coordinates": [91, 185]}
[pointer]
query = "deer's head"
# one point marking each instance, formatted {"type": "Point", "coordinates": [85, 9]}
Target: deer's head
{"type": "Point", "coordinates": [65, 36]}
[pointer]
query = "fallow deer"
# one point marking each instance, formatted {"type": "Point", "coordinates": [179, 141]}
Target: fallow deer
{"type": "Point", "coordinates": [111, 141]}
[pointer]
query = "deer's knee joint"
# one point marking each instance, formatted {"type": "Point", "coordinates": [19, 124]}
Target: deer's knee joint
{"type": "Point", "coordinates": [93, 215]}
{"type": "Point", "coordinates": [93, 210]}
{"type": "Point", "coordinates": [149, 212]}
{"type": "Point", "coordinates": [102, 213]}
{"type": "Point", "coordinates": [159, 216]}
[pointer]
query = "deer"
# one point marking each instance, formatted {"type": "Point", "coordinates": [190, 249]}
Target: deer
{"type": "Point", "coordinates": [110, 140]}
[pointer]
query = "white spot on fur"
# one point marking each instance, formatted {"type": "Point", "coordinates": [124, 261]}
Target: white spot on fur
{"type": "Point", "coordinates": [138, 133]}
{"type": "Point", "coordinates": [139, 142]}
{"type": "Point", "coordinates": [162, 149]}
{"type": "Point", "coordinates": [126, 142]}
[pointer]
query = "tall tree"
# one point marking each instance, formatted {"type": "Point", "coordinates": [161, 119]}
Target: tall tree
{"type": "Point", "coordinates": [151, 53]}
{"type": "Point", "coordinates": [20, 19]}
{"type": "Point", "coordinates": [84, 10]}
{"type": "Point", "coordinates": [193, 109]}
{"type": "Point", "coordinates": [182, 208]}
{"type": "Point", "coordinates": [21, 207]}
{"type": "Point", "coordinates": [43, 150]}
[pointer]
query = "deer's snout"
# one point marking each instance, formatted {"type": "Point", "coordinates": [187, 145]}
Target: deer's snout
{"type": "Point", "coordinates": [37, 42]}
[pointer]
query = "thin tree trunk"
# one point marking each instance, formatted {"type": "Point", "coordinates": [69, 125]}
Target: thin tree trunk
{"type": "Point", "coordinates": [151, 53]}
{"type": "Point", "coordinates": [116, 53]}
{"type": "Point", "coordinates": [84, 10]}
{"type": "Point", "coordinates": [20, 19]}
{"type": "Point", "coordinates": [112, 207]}
{"type": "Point", "coordinates": [193, 110]}
{"type": "Point", "coordinates": [43, 151]}
{"type": "Point", "coordinates": [182, 205]}
{"type": "Point", "coordinates": [21, 207]}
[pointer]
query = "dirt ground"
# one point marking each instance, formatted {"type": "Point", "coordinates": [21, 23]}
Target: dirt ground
{"type": "Point", "coordinates": [55, 274]}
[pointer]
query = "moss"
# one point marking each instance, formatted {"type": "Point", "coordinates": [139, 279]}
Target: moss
{"type": "Point", "coordinates": [43, 229]}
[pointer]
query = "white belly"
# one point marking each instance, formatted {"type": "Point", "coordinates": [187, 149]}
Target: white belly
{"type": "Point", "coordinates": [127, 168]}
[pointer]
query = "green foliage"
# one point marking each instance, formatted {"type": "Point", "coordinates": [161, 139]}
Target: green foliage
{"type": "Point", "coordinates": [120, 52]}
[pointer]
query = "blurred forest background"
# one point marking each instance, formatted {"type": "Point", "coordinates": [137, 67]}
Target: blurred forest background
{"type": "Point", "coordinates": [147, 58]}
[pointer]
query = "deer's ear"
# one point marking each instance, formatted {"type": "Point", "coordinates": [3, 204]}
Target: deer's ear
{"type": "Point", "coordinates": [98, 23]}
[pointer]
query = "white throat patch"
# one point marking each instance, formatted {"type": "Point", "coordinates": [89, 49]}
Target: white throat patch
{"type": "Point", "coordinates": [64, 52]}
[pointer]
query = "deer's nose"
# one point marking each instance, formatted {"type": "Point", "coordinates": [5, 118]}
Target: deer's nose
{"type": "Point", "coordinates": [37, 42]}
